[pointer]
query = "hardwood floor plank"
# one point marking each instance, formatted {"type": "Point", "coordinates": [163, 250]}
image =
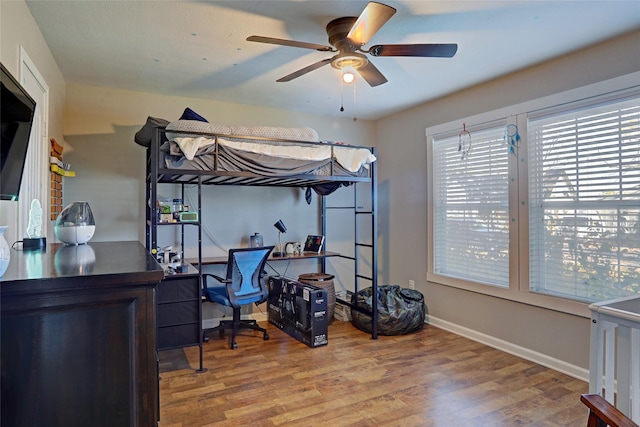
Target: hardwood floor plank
{"type": "Point", "coordinates": [429, 378]}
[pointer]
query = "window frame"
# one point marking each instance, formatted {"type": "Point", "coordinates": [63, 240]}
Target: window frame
{"type": "Point", "coordinates": [518, 289]}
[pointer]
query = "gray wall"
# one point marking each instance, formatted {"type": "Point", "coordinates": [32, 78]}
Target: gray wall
{"type": "Point", "coordinates": [17, 28]}
{"type": "Point", "coordinates": [403, 200]}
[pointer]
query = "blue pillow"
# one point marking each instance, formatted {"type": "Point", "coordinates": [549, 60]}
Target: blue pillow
{"type": "Point", "coordinates": [189, 114]}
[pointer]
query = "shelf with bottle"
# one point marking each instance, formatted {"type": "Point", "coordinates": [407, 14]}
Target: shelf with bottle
{"type": "Point", "coordinates": [175, 212]}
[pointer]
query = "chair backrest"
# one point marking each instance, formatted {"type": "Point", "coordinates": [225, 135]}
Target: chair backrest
{"type": "Point", "coordinates": [244, 273]}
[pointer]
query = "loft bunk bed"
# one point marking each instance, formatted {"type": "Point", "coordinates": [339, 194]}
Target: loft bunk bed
{"type": "Point", "coordinates": [200, 153]}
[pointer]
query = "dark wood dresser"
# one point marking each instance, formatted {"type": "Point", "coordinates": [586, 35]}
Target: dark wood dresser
{"type": "Point", "coordinates": [78, 342]}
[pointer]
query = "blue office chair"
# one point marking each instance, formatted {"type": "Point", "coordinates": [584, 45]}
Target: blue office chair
{"type": "Point", "coordinates": [243, 285]}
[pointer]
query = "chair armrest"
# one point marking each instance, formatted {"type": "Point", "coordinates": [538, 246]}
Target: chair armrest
{"type": "Point", "coordinates": [218, 278]}
{"type": "Point", "coordinates": [602, 413]}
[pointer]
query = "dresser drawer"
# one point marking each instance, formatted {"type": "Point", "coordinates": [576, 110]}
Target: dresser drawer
{"type": "Point", "coordinates": [178, 336]}
{"type": "Point", "coordinates": [178, 313]}
{"type": "Point", "coordinates": [179, 289]}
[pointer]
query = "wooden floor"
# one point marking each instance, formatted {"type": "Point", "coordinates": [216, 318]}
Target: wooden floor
{"type": "Point", "coordinates": [429, 378]}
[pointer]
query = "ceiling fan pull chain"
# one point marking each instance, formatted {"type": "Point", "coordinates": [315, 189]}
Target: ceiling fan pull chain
{"type": "Point", "coordinates": [341, 96]}
{"type": "Point", "coordinates": [355, 119]}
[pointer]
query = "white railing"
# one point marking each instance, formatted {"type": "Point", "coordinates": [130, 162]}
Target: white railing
{"type": "Point", "coordinates": [614, 359]}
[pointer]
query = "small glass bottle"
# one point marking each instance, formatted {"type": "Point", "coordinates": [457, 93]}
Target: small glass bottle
{"type": "Point", "coordinates": [177, 208]}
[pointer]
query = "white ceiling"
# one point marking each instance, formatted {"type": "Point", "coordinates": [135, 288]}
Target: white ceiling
{"type": "Point", "coordinates": [198, 49]}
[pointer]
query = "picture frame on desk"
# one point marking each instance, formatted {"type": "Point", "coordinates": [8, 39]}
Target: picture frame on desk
{"type": "Point", "coordinates": [313, 244]}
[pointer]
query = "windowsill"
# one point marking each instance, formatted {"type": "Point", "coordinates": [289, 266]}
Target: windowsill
{"type": "Point", "coordinates": [547, 302]}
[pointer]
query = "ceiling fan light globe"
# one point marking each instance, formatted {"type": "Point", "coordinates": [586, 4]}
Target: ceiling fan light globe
{"type": "Point", "coordinates": [351, 60]}
{"type": "Point", "coordinates": [348, 77]}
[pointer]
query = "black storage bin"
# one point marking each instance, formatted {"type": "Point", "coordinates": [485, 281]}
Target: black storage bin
{"type": "Point", "coordinates": [400, 310]}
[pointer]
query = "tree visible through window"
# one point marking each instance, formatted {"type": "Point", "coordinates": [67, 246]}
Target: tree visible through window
{"type": "Point", "coordinates": [584, 190]}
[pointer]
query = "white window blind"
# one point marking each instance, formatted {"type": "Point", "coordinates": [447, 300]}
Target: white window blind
{"type": "Point", "coordinates": [584, 191]}
{"type": "Point", "coordinates": [471, 209]}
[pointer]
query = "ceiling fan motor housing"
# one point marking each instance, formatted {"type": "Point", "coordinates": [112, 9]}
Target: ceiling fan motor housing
{"type": "Point", "coordinates": [338, 30]}
{"type": "Point", "coordinates": [348, 57]}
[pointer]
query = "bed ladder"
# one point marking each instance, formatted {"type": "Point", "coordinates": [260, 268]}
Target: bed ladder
{"type": "Point", "coordinates": [358, 211]}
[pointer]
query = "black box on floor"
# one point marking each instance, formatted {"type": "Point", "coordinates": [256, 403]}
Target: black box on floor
{"type": "Point", "coordinates": [299, 309]}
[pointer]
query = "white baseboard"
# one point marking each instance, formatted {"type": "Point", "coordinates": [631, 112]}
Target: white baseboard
{"type": "Point", "coordinates": [533, 356]}
{"type": "Point", "coordinates": [211, 323]}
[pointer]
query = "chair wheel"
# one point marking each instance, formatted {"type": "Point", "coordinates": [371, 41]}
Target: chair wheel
{"type": "Point", "coordinates": [205, 339]}
{"type": "Point", "coordinates": [265, 336]}
{"type": "Point", "coordinates": [234, 346]}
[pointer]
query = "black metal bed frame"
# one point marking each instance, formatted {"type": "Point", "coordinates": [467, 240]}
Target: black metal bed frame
{"type": "Point", "coordinates": [155, 174]}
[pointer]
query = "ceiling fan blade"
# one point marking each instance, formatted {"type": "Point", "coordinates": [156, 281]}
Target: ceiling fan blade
{"type": "Point", "coordinates": [423, 50]}
{"type": "Point", "coordinates": [304, 70]}
{"type": "Point", "coordinates": [292, 43]}
{"type": "Point", "coordinates": [372, 18]}
{"type": "Point", "coordinates": [372, 75]}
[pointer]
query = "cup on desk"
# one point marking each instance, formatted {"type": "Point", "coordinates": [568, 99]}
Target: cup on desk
{"type": "Point", "coordinates": [255, 241]}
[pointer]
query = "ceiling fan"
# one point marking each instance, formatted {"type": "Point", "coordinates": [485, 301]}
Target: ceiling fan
{"type": "Point", "coordinates": [348, 35]}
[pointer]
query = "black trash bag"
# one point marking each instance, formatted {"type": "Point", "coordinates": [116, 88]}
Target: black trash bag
{"type": "Point", "coordinates": [400, 310]}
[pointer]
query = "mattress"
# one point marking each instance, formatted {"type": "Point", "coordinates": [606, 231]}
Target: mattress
{"type": "Point", "coordinates": [265, 151]}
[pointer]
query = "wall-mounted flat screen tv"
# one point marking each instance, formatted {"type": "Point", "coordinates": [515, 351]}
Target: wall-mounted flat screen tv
{"type": "Point", "coordinates": [16, 114]}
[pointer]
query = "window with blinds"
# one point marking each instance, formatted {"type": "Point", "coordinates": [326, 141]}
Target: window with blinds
{"type": "Point", "coordinates": [471, 209]}
{"type": "Point", "coordinates": [584, 191]}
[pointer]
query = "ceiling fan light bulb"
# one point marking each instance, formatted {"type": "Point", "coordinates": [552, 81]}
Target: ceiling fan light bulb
{"type": "Point", "coordinates": [348, 77]}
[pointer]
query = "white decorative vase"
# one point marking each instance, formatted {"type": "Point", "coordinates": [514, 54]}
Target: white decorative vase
{"type": "Point", "coordinates": [5, 251]}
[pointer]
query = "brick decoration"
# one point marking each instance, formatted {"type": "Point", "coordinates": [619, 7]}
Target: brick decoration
{"type": "Point", "coordinates": [56, 181]}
